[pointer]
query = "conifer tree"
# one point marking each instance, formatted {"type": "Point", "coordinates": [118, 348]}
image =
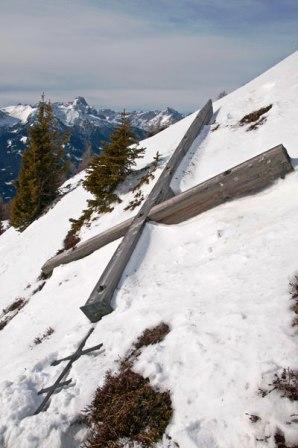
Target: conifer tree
{"type": "Point", "coordinates": [107, 170]}
{"type": "Point", "coordinates": [42, 167]}
{"type": "Point", "coordinates": [112, 166]}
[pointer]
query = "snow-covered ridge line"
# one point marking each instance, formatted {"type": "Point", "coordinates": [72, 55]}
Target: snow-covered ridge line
{"type": "Point", "coordinates": [74, 112]}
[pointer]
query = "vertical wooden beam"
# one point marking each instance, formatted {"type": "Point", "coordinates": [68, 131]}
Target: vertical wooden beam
{"type": "Point", "coordinates": [99, 302]}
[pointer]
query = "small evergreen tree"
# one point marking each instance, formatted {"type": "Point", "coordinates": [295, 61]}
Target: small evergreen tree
{"type": "Point", "coordinates": [42, 168]}
{"type": "Point", "coordinates": [108, 169]}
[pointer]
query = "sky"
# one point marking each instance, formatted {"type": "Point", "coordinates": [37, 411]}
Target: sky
{"type": "Point", "coordinates": [139, 54]}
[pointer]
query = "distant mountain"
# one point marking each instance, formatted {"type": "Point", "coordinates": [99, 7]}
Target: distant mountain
{"type": "Point", "coordinates": [145, 120]}
{"type": "Point", "coordinates": [85, 124]}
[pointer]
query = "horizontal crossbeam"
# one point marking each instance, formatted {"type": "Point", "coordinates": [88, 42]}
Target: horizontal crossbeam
{"type": "Point", "coordinates": [54, 387]}
{"type": "Point", "coordinates": [83, 352]}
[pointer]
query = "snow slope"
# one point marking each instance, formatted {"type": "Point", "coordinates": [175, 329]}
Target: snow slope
{"type": "Point", "coordinates": [21, 112]}
{"type": "Point", "coordinates": [220, 148]}
{"type": "Point", "coordinates": [220, 280]}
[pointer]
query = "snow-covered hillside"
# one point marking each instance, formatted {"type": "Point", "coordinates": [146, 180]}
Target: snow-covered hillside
{"type": "Point", "coordinates": [219, 280]}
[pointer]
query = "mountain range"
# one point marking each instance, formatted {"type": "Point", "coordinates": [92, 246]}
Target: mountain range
{"type": "Point", "coordinates": [85, 124]}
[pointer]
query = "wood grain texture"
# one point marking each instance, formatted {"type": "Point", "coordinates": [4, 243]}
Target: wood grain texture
{"type": "Point", "coordinates": [246, 178]}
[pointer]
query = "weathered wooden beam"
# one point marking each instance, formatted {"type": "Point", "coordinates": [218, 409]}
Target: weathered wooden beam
{"type": "Point", "coordinates": [57, 388]}
{"type": "Point", "coordinates": [83, 352]}
{"type": "Point", "coordinates": [87, 247]}
{"type": "Point", "coordinates": [204, 196]}
{"type": "Point", "coordinates": [243, 179]}
{"type": "Point", "coordinates": [99, 301]}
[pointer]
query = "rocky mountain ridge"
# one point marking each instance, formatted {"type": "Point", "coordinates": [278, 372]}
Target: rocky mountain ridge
{"type": "Point", "coordinates": [85, 124]}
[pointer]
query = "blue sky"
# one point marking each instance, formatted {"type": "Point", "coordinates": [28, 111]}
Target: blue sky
{"type": "Point", "coordinates": [139, 53]}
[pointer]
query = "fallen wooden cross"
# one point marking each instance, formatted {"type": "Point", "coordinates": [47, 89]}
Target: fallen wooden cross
{"type": "Point", "coordinates": [161, 206]}
{"type": "Point", "coordinates": [99, 302]}
{"type": "Point", "coordinates": [246, 178]}
{"type": "Point", "coordinates": [59, 384]}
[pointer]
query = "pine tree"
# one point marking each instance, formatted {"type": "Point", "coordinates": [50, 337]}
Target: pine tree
{"type": "Point", "coordinates": [107, 170]}
{"type": "Point", "coordinates": [112, 166]}
{"type": "Point", "coordinates": [42, 167]}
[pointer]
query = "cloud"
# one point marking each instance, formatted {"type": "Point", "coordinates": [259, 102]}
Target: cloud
{"type": "Point", "coordinates": [125, 58]}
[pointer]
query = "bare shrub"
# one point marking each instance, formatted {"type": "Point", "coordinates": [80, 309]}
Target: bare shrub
{"type": "Point", "coordinates": [70, 241]}
{"type": "Point", "coordinates": [42, 337]}
{"type": "Point", "coordinates": [255, 117]}
{"type": "Point", "coordinates": [127, 409]}
{"type": "Point", "coordinates": [134, 203]}
{"type": "Point", "coordinates": [152, 336]}
{"type": "Point", "coordinates": [286, 383]}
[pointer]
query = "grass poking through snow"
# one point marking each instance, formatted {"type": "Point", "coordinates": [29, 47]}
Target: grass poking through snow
{"type": "Point", "coordinates": [127, 410]}
{"type": "Point", "coordinates": [45, 335]}
{"type": "Point", "coordinates": [286, 383]}
{"type": "Point", "coordinates": [256, 118]}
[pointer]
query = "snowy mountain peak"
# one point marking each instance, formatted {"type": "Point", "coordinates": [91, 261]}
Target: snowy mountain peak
{"type": "Point", "coordinates": [80, 102]}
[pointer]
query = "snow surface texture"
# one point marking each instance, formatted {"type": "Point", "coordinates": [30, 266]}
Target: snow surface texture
{"type": "Point", "coordinates": [227, 143]}
{"type": "Point", "coordinates": [220, 280]}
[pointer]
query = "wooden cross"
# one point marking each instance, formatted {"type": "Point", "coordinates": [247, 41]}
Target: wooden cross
{"type": "Point", "coordinates": [59, 384]}
{"type": "Point", "coordinates": [99, 302]}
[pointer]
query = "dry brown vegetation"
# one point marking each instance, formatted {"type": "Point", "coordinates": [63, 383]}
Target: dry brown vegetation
{"type": "Point", "coordinates": [45, 335]}
{"type": "Point", "coordinates": [70, 241]}
{"type": "Point", "coordinates": [152, 336]}
{"type": "Point", "coordinates": [256, 118]}
{"type": "Point", "coordinates": [286, 383]}
{"type": "Point", "coordinates": [127, 410]}
{"type": "Point", "coordinates": [138, 199]}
